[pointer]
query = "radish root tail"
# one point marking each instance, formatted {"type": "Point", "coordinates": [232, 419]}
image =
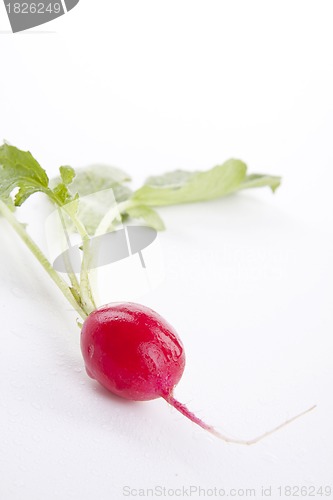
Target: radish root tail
{"type": "Point", "coordinates": [187, 413]}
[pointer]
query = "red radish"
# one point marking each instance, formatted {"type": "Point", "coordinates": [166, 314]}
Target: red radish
{"type": "Point", "coordinates": [132, 351]}
{"type": "Point", "coordinates": [136, 354]}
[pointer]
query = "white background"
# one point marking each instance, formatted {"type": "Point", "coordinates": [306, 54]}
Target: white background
{"type": "Point", "coordinates": [152, 86]}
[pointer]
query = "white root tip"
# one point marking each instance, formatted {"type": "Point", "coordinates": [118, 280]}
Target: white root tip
{"type": "Point", "coordinates": [261, 436]}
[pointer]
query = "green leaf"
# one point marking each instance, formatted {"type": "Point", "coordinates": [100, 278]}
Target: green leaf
{"type": "Point", "coordinates": [185, 187]}
{"type": "Point", "coordinates": [19, 169]}
{"type": "Point", "coordinates": [92, 210]}
{"type": "Point", "coordinates": [121, 192]}
{"type": "Point", "coordinates": [9, 202]}
{"type": "Point", "coordinates": [60, 190]}
{"type": "Point", "coordinates": [67, 174]}
{"type": "Point", "coordinates": [62, 194]}
{"type": "Point", "coordinates": [148, 214]}
{"type": "Point", "coordinates": [93, 184]}
{"type": "Point", "coordinates": [73, 206]}
{"type": "Point", "coordinates": [96, 178]}
{"type": "Point", "coordinates": [259, 180]}
{"type": "Point", "coordinates": [175, 179]}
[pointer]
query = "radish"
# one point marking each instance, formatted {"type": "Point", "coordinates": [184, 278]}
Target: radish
{"type": "Point", "coordinates": [132, 351]}
{"type": "Point", "coordinates": [136, 354]}
{"type": "Point", "coordinates": [128, 348]}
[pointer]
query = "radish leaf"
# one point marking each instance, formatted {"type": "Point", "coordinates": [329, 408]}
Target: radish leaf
{"type": "Point", "coordinates": [184, 187]}
{"type": "Point", "coordinates": [98, 177]}
{"type": "Point", "coordinates": [148, 214]}
{"type": "Point", "coordinates": [19, 169]}
{"type": "Point", "coordinates": [67, 174]}
{"type": "Point", "coordinates": [259, 180]}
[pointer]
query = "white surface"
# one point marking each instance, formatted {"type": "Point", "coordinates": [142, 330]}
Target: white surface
{"type": "Point", "coordinates": [150, 86]}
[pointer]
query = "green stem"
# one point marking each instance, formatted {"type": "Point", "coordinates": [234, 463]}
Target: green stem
{"type": "Point", "coordinates": [113, 213]}
{"type": "Point", "coordinates": [37, 252]}
{"type": "Point", "coordinates": [104, 225]}
{"type": "Point", "coordinates": [69, 269]}
{"type": "Point", "coordinates": [85, 287]}
{"type": "Point", "coordinates": [85, 290]}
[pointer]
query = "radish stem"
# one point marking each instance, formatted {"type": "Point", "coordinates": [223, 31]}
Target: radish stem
{"type": "Point", "coordinates": [37, 252]}
{"type": "Point", "coordinates": [85, 290]}
{"type": "Point", "coordinates": [72, 276]}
